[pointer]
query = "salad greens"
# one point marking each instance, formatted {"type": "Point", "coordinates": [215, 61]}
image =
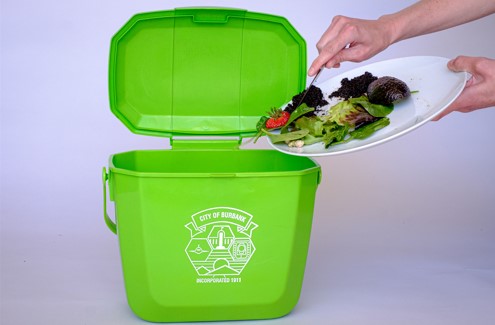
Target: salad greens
{"type": "Point", "coordinates": [355, 118]}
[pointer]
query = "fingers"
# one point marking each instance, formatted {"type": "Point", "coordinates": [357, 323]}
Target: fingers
{"type": "Point", "coordinates": [462, 63]}
{"type": "Point", "coordinates": [478, 92]}
{"type": "Point", "coordinates": [459, 64]}
{"type": "Point", "coordinates": [330, 44]}
{"type": "Point", "coordinates": [463, 103]}
{"type": "Point", "coordinates": [349, 39]}
{"type": "Point", "coordinates": [480, 68]}
{"type": "Point", "coordinates": [328, 59]}
{"type": "Point", "coordinates": [320, 61]}
{"type": "Point", "coordinates": [441, 115]}
{"type": "Point", "coordinates": [332, 32]}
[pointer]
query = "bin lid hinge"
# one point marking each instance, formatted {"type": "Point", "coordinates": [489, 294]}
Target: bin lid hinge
{"type": "Point", "coordinates": [205, 143]}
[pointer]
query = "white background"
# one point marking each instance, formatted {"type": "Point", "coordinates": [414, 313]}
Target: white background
{"type": "Point", "coordinates": [403, 233]}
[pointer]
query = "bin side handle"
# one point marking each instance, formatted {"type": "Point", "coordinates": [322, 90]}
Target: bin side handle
{"type": "Point", "coordinates": [110, 224]}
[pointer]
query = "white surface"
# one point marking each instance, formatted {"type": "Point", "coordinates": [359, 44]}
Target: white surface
{"type": "Point", "coordinates": [437, 87]}
{"type": "Point", "coordinates": [403, 232]}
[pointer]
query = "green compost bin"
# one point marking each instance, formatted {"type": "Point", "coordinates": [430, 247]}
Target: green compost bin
{"type": "Point", "coordinates": [208, 231]}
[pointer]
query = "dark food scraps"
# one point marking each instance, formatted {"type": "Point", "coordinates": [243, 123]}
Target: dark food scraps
{"type": "Point", "coordinates": [354, 87]}
{"type": "Point", "coordinates": [314, 98]}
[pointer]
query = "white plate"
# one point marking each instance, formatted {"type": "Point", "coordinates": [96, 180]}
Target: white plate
{"type": "Point", "coordinates": [437, 87]}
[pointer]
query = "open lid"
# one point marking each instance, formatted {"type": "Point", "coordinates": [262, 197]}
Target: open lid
{"type": "Point", "coordinates": [203, 71]}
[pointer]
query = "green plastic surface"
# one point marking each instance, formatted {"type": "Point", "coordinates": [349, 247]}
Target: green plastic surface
{"type": "Point", "coordinates": [208, 232]}
{"type": "Point", "coordinates": [203, 71]}
{"type": "Point", "coordinates": [171, 206]}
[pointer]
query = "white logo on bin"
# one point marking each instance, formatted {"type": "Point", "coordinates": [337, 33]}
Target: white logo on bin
{"type": "Point", "coordinates": [220, 244]}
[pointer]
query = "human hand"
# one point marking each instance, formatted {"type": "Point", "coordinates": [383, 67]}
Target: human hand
{"type": "Point", "coordinates": [350, 39]}
{"type": "Point", "coordinates": [479, 91]}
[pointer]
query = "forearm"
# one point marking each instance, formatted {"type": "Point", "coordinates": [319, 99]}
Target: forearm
{"type": "Point", "coordinates": [428, 16]}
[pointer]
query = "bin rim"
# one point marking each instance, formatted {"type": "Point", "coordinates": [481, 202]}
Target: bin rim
{"type": "Point", "coordinates": [277, 173]}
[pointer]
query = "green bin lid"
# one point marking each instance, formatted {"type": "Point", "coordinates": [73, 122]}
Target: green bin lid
{"type": "Point", "coordinates": [203, 71]}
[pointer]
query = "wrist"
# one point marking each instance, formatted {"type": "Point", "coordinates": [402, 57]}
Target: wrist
{"type": "Point", "coordinates": [392, 32]}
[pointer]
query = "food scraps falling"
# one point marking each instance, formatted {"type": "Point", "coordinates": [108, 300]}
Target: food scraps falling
{"type": "Point", "coordinates": [365, 102]}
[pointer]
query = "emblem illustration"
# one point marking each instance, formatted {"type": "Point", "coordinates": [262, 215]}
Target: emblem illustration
{"type": "Point", "coordinates": [220, 242]}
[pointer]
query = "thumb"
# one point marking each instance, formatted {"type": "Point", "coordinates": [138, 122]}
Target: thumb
{"type": "Point", "coordinates": [463, 63]}
{"type": "Point", "coordinates": [467, 64]}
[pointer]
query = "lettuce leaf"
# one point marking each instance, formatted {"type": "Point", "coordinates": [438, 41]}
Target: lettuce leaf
{"type": "Point", "coordinates": [347, 113]}
{"type": "Point", "coordinates": [289, 136]}
{"type": "Point", "coordinates": [376, 110]}
{"type": "Point", "coordinates": [364, 131]}
{"type": "Point", "coordinates": [313, 124]}
{"type": "Point", "coordinates": [298, 112]}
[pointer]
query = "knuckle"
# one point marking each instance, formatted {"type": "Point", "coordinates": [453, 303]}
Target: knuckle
{"type": "Point", "coordinates": [339, 19]}
{"type": "Point", "coordinates": [349, 28]}
{"type": "Point", "coordinates": [326, 50]}
{"type": "Point", "coordinates": [480, 64]}
{"type": "Point", "coordinates": [475, 64]}
{"type": "Point", "coordinates": [359, 54]}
